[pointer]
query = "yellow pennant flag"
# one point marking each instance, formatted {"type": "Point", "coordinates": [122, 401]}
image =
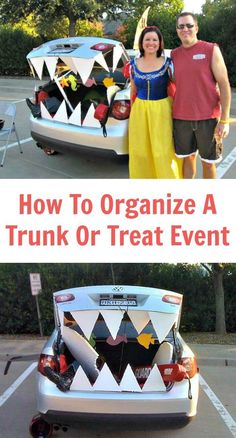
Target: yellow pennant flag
{"type": "Point", "coordinates": [140, 26]}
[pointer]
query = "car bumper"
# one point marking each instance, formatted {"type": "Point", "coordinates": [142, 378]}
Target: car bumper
{"type": "Point", "coordinates": [175, 402]}
{"type": "Point", "coordinates": [62, 136]}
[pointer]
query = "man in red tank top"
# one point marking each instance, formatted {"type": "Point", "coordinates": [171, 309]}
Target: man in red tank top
{"type": "Point", "coordinates": [202, 101]}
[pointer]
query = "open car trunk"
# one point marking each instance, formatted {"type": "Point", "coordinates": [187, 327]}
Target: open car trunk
{"type": "Point", "coordinates": [84, 72]}
{"type": "Point", "coordinates": [116, 342]}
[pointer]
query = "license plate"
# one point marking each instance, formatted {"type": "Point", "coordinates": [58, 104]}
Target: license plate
{"type": "Point", "coordinates": [118, 302]}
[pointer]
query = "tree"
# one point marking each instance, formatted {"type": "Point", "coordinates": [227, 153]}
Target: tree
{"type": "Point", "coordinates": [162, 14]}
{"type": "Point", "coordinates": [45, 11]}
{"type": "Point", "coordinates": [216, 271]}
{"type": "Point", "coordinates": [218, 24]}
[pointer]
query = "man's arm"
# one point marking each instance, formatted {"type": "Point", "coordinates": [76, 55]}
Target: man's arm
{"type": "Point", "coordinates": [221, 76]}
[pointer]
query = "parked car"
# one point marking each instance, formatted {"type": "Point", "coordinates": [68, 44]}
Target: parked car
{"type": "Point", "coordinates": [93, 96]}
{"type": "Point", "coordinates": [128, 357]}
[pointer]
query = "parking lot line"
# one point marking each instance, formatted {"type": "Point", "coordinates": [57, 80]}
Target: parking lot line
{"type": "Point", "coordinates": [5, 396]}
{"type": "Point", "coordinates": [226, 163]}
{"type": "Point", "coordinates": [12, 145]}
{"type": "Point", "coordinates": [225, 415]}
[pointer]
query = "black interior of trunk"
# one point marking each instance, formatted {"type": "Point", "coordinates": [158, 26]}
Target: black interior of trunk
{"type": "Point", "coordinates": [86, 95]}
{"type": "Point", "coordinates": [119, 356]}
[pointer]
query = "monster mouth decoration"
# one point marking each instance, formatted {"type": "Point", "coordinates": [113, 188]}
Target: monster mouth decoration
{"type": "Point", "coordinates": [90, 65]}
{"type": "Point", "coordinates": [128, 341]}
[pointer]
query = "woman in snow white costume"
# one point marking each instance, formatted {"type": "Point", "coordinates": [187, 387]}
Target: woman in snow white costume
{"type": "Point", "coordinates": [151, 148]}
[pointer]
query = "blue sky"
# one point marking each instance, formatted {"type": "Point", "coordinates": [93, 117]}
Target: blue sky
{"type": "Point", "coordinates": [193, 5]}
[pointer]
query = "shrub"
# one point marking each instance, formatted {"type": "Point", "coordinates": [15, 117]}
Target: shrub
{"type": "Point", "coordinates": [14, 46]}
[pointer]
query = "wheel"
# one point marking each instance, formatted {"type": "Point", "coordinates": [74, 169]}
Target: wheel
{"type": "Point", "coordinates": [39, 428]}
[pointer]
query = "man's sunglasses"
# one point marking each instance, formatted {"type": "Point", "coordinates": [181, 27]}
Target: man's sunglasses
{"type": "Point", "coordinates": [182, 26]}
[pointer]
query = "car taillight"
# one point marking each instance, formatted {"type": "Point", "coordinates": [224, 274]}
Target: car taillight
{"type": "Point", "coordinates": [121, 109]}
{"type": "Point", "coordinates": [172, 299]}
{"type": "Point", "coordinates": [47, 360]}
{"type": "Point", "coordinates": [64, 298]}
{"type": "Point", "coordinates": [190, 364]}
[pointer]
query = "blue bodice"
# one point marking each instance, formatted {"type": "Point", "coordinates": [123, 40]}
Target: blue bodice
{"type": "Point", "coordinates": [151, 85]}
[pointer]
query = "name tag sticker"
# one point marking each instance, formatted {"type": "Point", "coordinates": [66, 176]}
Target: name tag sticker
{"type": "Point", "coordinates": [199, 56]}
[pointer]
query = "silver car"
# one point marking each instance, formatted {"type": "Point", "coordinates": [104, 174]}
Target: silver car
{"type": "Point", "coordinates": [116, 352]}
{"type": "Point", "coordinates": [86, 102]}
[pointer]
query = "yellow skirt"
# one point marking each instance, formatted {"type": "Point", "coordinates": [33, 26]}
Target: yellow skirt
{"type": "Point", "coordinates": [151, 147]}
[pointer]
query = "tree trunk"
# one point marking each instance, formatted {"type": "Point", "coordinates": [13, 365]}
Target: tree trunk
{"type": "Point", "coordinates": [220, 326]}
{"type": "Point", "coordinates": [72, 24]}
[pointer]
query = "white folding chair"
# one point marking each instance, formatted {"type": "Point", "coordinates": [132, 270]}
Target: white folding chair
{"type": "Point", "coordinates": [8, 114]}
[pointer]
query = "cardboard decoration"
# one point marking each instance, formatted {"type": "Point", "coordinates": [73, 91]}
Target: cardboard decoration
{"type": "Point", "coordinates": [164, 354]}
{"type": "Point", "coordinates": [61, 114]}
{"type": "Point", "coordinates": [117, 52]}
{"type": "Point", "coordinates": [75, 117]}
{"type": "Point", "coordinates": [57, 81]}
{"type": "Point", "coordinates": [89, 119]}
{"type": "Point", "coordinates": [129, 381]}
{"type": "Point", "coordinates": [44, 112]}
{"type": "Point", "coordinates": [162, 323]}
{"type": "Point", "coordinates": [105, 381]}
{"type": "Point", "coordinates": [69, 62]}
{"type": "Point", "coordinates": [83, 67]}
{"type": "Point", "coordinates": [82, 351]}
{"type": "Point", "coordinates": [111, 91]}
{"type": "Point", "coordinates": [146, 339]}
{"type": "Point", "coordinates": [51, 63]}
{"type": "Point", "coordinates": [86, 320]}
{"type": "Point", "coordinates": [139, 319]}
{"type": "Point", "coordinates": [101, 60]}
{"type": "Point", "coordinates": [38, 64]}
{"type": "Point", "coordinates": [154, 381]}
{"type": "Point", "coordinates": [80, 381]}
{"type": "Point", "coordinates": [31, 68]}
{"type": "Point", "coordinates": [113, 320]}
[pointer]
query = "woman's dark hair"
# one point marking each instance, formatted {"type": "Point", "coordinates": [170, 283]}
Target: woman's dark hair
{"type": "Point", "coordinates": [160, 38]}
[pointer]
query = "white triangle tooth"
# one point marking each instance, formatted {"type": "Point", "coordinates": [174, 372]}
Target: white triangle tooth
{"type": "Point", "coordinates": [89, 119]}
{"type": "Point", "coordinates": [139, 319]}
{"type": "Point", "coordinates": [31, 68]}
{"type": "Point", "coordinates": [129, 381]}
{"type": "Point", "coordinates": [51, 63]}
{"type": "Point", "coordinates": [162, 323]}
{"type": "Point", "coordinates": [83, 67]}
{"type": "Point", "coordinates": [38, 64]}
{"type": "Point", "coordinates": [154, 381]}
{"type": "Point", "coordinates": [69, 62]}
{"type": "Point", "coordinates": [44, 112]}
{"type": "Point", "coordinates": [113, 320]}
{"type": "Point", "coordinates": [82, 351]}
{"type": "Point", "coordinates": [105, 381]}
{"type": "Point", "coordinates": [80, 381]}
{"type": "Point", "coordinates": [117, 52]}
{"type": "Point", "coordinates": [101, 60]}
{"type": "Point", "coordinates": [75, 117]}
{"type": "Point", "coordinates": [86, 320]}
{"type": "Point", "coordinates": [61, 114]}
